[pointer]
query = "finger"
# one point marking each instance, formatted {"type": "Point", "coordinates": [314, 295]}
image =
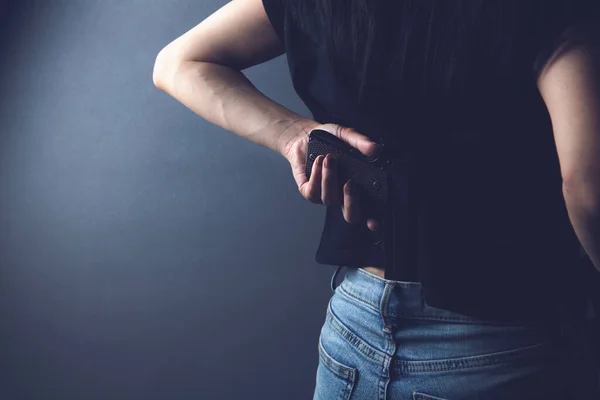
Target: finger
{"type": "Point", "coordinates": [312, 190]}
{"type": "Point", "coordinates": [350, 207]}
{"type": "Point", "coordinates": [357, 140]}
{"type": "Point", "coordinates": [373, 224]}
{"type": "Point", "coordinates": [329, 182]}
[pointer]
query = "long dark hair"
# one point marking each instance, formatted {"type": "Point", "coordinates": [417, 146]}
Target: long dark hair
{"type": "Point", "coordinates": [453, 30]}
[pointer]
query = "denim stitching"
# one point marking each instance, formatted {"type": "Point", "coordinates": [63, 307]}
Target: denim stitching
{"type": "Point", "coordinates": [359, 344]}
{"type": "Point", "coordinates": [337, 367]}
{"type": "Point", "coordinates": [470, 362]}
{"type": "Point", "coordinates": [371, 306]}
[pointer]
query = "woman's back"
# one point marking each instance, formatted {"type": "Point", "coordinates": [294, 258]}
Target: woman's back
{"type": "Point", "coordinates": [455, 82]}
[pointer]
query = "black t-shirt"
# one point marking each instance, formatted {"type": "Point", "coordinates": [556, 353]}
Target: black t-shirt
{"type": "Point", "coordinates": [494, 237]}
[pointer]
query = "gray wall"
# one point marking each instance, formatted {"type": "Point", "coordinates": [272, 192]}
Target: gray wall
{"type": "Point", "coordinates": [144, 253]}
{"type": "Point", "coordinates": [4, 5]}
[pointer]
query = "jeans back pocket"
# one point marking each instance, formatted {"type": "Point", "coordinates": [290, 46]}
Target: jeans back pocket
{"type": "Point", "coordinates": [335, 380]}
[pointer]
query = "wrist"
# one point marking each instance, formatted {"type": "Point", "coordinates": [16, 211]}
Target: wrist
{"type": "Point", "coordinates": [292, 132]}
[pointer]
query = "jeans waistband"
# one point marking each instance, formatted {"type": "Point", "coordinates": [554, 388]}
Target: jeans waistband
{"type": "Point", "coordinates": [394, 299]}
{"type": "Point", "coordinates": [388, 296]}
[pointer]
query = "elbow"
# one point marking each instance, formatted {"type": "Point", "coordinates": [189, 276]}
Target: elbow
{"type": "Point", "coordinates": [157, 75]}
{"type": "Point", "coordinates": [160, 73]}
{"type": "Point", "coordinates": [164, 65]}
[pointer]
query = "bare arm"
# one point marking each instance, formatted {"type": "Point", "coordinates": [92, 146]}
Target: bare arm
{"type": "Point", "coordinates": [570, 87]}
{"type": "Point", "coordinates": [202, 69]}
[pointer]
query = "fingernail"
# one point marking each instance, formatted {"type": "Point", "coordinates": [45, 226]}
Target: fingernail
{"type": "Point", "coordinates": [319, 161]}
{"type": "Point", "coordinates": [350, 188]}
{"type": "Point", "coordinates": [378, 146]}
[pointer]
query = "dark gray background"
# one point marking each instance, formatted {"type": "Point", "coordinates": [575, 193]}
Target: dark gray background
{"type": "Point", "coordinates": [144, 253]}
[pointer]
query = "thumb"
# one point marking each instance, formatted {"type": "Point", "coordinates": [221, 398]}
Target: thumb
{"type": "Point", "coordinates": [355, 139]}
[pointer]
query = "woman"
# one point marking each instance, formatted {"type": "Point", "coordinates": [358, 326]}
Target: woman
{"type": "Point", "coordinates": [493, 105]}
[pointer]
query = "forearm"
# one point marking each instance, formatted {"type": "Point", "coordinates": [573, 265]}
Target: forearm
{"type": "Point", "coordinates": [226, 98]}
{"type": "Point", "coordinates": [585, 220]}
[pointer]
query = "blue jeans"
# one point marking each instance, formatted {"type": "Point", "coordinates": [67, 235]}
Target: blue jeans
{"type": "Point", "coordinates": [381, 340]}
